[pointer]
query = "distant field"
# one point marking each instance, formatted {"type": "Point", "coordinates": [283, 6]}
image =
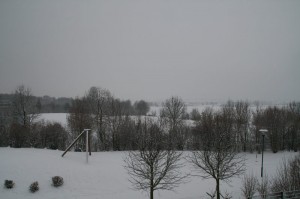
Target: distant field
{"type": "Point", "coordinates": [62, 117]}
{"type": "Point", "coordinates": [54, 117]}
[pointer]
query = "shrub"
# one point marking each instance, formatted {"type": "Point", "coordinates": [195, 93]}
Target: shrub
{"type": "Point", "coordinates": [287, 177]}
{"type": "Point", "coordinates": [57, 181]}
{"type": "Point", "coordinates": [263, 187]}
{"type": "Point", "coordinates": [249, 185]}
{"type": "Point", "coordinates": [9, 184]}
{"type": "Point", "coordinates": [34, 187]}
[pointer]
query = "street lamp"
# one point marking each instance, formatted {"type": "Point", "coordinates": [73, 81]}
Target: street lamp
{"type": "Point", "coordinates": [263, 131]}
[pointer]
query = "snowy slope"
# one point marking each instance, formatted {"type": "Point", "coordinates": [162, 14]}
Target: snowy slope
{"type": "Point", "coordinates": [102, 178]}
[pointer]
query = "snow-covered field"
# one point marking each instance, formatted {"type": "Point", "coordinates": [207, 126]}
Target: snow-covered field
{"type": "Point", "coordinates": [103, 177]}
{"type": "Point", "coordinates": [62, 117]}
{"type": "Point", "coordinates": [54, 117]}
{"type": "Point", "coordinates": [189, 108]}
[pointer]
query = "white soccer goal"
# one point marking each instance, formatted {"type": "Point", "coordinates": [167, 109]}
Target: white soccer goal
{"type": "Point", "coordinates": [87, 144]}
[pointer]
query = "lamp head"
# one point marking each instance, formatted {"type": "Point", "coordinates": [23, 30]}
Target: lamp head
{"type": "Point", "coordinates": [263, 131]}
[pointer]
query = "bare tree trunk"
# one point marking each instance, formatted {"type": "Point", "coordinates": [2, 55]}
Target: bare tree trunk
{"type": "Point", "coordinates": [24, 118]}
{"type": "Point", "coordinates": [151, 192]}
{"type": "Point", "coordinates": [245, 140]}
{"type": "Point", "coordinates": [218, 188]}
{"type": "Point", "coordinates": [152, 184]}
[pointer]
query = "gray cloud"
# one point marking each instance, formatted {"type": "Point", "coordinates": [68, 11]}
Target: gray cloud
{"type": "Point", "coordinates": [199, 50]}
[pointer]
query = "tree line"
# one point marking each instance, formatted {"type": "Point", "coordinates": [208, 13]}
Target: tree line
{"type": "Point", "coordinates": [45, 104]}
{"type": "Point", "coordinates": [117, 124]}
{"type": "Point", "coordinates": [20, 125]}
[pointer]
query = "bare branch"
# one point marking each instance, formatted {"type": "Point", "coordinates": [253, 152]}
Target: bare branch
{"type": "Point", "coordinates": [152, 168]}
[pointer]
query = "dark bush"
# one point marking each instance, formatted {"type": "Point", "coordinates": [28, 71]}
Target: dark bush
{"type": "Point", "coordinates": [9, 184]}
{"type": "Point", "coordinates": [53, 136]}
{"type": "Point", "coordinates": [34, 187]}
{"type": "Point", "coordinates": [57, 181]}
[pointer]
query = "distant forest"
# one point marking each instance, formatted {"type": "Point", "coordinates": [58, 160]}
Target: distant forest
{"type": "Point", "coordinates": [46, 104]}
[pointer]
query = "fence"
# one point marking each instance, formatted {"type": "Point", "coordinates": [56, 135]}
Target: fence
{"type": "Point", "coordinates": [280, 195]}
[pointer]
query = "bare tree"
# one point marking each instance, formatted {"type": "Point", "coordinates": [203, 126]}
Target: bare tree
{"type": "Point", "coordinates": [115, 123]}
{"type": "Point", "coordinates": [195, 115]}
{"type": "Point", "coordinates": [151, 168]}
{"type": "Point", "coordinates": [257, 124]}
{"type": "Point", "coordinates": [128, 134]}
{"type": "Point", "coordinates": [24, 106]}
{"type": "Point", "coordinates": [141, 107]}
{"type": "Point", "coordinates": [173, 111]}
{"type": "Point", "coordinates": [249, 185]}
{"type": "Point", "coordinates": [79, 118]}
{"type": "Point", "coordinates": [52, 135]}
{"type": "Point", "coordinates": [172, 114]}
{"type": "Point", "coordinates": [287, 177]}
{"type": "Point", "coordinates": [274, 119]}
{"type": "Point", "coordinates": [282, 123]}
{"type": "Point", "coordinates": [203, 129]}
{"type": "Point", "coordinates": [294, 126]}
{"type": "Point", "coordinates": [263, 187]}
{"type": "Point", "coordinates": [24, 113]}
{"type": "Point", "coordinates": [242, 117]}
{"type": "Point", "coordinates": [99, 101]}
{"type": "Point", "coordinates": [218, 158]}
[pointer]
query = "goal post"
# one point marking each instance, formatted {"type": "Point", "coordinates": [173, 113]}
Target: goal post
{"type": "Point", "coordinates": [88, 148]}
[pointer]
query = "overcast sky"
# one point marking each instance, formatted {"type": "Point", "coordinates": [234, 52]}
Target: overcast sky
{"type": "Point", "coordinates": [141, 49]}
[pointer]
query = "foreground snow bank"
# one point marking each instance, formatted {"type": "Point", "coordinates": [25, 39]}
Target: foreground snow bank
{"type": "Point", "coordinates": [102, 178]}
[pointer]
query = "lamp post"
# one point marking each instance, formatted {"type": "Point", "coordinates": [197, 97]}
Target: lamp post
{"type": "Point", "coordinates": [263, 131]}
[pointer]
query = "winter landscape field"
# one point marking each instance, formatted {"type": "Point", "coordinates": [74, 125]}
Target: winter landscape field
{"type": "Point", "coordinates": [104, 176]}
{"type": "Point", "coordinates": [191, 95]}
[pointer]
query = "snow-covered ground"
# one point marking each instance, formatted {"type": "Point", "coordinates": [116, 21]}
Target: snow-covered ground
{"type": "Point", "coordinates": [189, 108]}
{"type": "Point", "coordinates": [103, 177]}
{"type": "Point", "coordinates": [54, 117]}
